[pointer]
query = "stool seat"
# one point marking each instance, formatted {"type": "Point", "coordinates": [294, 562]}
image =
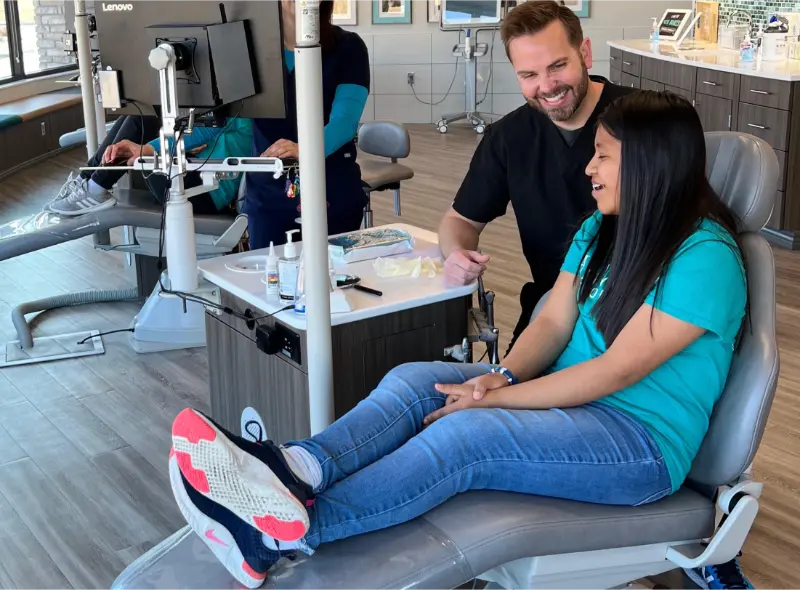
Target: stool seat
{"type": "Point", "coordinates": [376, 174]}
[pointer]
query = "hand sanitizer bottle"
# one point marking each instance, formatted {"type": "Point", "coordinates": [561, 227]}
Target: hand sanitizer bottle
{"type": "Point", "coordinates": [288, 266]}
{"type": "Point", "coordinates": [654, 30]}
{"type": "Point", "coordinates": [746, 51]}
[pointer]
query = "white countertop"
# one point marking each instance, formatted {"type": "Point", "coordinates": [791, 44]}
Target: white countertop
{"type": "Point", "coordinates": [399, 293]}
{"type": "Point", "coordinates": [707, 55]}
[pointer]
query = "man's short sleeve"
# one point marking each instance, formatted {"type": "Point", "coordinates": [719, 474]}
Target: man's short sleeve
{"type": "Point", "coordinates": [483, 195]}
{"type": "Point", "coordinates": [580, 243]}
{"type": "Point", "coordinates": [705, 284]}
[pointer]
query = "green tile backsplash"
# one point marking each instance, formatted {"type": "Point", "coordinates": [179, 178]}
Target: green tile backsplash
{"type": "Point", "coordinates": [760, 10]}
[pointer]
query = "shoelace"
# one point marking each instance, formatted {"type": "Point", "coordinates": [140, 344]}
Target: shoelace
{"type": "Point", "coordinates": [729, 574]}
{"type": "Point", "coordinates": [258, 433]}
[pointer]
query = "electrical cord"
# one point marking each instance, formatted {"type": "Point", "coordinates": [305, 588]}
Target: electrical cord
{"type": "Point", "coordinates": [491, 71]}
{"type": "Point", "coordinates": [105, 334]}
{"type": "Point", "coordinates": [455, 74]}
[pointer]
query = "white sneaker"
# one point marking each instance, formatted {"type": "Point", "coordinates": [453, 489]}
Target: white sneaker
{"type": "Point", "coordinates": [252, 426]}
{"type": "Point", "coordinates": [74, 198]}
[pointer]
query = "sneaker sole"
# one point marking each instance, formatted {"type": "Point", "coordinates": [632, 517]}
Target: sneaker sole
{"type": "Point", "coordinates": [229, 476]}
{"type": "Point", "coordinates": [101, 207]}
{"type": "Point", "coordinates": [214, 535]}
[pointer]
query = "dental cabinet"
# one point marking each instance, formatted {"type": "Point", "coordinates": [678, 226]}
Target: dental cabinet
{"type": "Point", "coordinates": [761, 98]}
{"type": "Point", "coordinates": [263, 362]}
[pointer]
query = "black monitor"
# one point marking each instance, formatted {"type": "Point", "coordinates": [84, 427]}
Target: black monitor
{"type": "Point", "coordinates": [230, 53]}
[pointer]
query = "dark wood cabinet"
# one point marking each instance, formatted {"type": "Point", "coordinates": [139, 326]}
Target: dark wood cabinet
{"type": "Point", "coordinates": [650, 85]}
{"type": "Point", "coordinates": [716, 114]}
{"type": "Point", "coordinates": [629, 80]}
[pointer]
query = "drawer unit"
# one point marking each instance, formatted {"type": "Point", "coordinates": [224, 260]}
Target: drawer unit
{"type": "Point", "coordinates": [631, 63]}
{"type": "Point", "coordinates": [615, 75]}
{"type": "Point", "coordinates": [782, 169]}
{"type": "Point", "coordinates": [629, 80]}
{"type": "Point", "coordinates": [715, 83]}
{"type": "Point", "coordinates": [669, 73]}
{"type": "Point", "coordinates": [715, 113]}
{"type": "Point", "coordinates": [771, 125]}
{"type": "Point", "coordinates": [687, 94]}
{"type": "Point", "coordinates": [615, 56]}
{"type": "Point", "coordinates": [650, 85]}
{"type": "Point", "coordinates": [765, 92]}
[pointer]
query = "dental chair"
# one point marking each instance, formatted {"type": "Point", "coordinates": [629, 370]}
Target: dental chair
{"type": "Point", "coordinates": [384, 139]}
{"type": "Point", "coordinates": [522, 541]}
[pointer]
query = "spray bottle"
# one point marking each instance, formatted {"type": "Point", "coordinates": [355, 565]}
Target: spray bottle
{"type": "Point", "coordinates": [288, 266]}
{"type": "Point", "coordinates": [273, 286]}
{"type": "Point", "coordinates": [654, 30]}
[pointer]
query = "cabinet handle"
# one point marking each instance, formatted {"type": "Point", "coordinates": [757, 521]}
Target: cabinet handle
{"type": "Point", "coordinates": [627, 63]}
{"type": "Point", "coordinates": [44, 130]}
{"type": "Point", "coordinates": [729, 121]}
{"type": "Point", "coordinates": [756, 126]}
{"type": "Point", "coordinates": [613, 58]}
{"type": "Point", "coordinates": [710, 83]}
{"type": "Point", "coordinates": [759, 91]}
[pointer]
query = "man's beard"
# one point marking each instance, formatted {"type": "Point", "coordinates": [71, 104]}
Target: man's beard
{"type": "Point", "coordinates": [563, 113]}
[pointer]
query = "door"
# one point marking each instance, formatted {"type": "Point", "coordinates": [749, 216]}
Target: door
{"type": "Point", "coordinates": [715, 113]}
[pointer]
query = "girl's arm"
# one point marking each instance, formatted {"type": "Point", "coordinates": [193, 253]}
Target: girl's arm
{"type": "Point", "coordinates": [547, 336]}
{"type": "Point", "coordinates": [632, 356]}
{"type": "Point", "coordinates": [200, 136]}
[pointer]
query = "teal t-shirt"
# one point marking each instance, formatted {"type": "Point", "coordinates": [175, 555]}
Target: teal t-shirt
{"type": "Point", "coordinates": [236, 141]}
{"type": "Point", "coordinates": [704, 285]}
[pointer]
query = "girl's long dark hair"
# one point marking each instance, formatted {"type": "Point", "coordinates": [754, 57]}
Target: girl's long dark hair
{"type": "Point", "coordinates": [664, 195]}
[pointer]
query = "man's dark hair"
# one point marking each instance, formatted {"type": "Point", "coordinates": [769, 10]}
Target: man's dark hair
{"type": "Point", "coordinates": [533, 16]}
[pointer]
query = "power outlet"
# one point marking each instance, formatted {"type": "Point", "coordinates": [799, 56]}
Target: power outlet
{"type": "Point", "coordinates": [410, 78]}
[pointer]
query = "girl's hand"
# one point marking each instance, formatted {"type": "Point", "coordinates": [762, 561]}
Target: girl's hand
{"type": "Point", "coordinates": [466, 395]}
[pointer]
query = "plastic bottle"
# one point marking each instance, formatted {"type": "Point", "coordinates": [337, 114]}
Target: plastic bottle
{"type": "Point", "coordinates": [746, 49]}
{"type": "Point", "coordinates": [300, 290]}
{"type": "Point", "coordinates": [288, 267]}
{"type": "Point", "coordinates": [273, 286]}
{"type": "Point", "coordinates": [654, 30]}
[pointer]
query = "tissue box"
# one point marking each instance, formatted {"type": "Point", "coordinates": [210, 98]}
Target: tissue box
{"type": "Point", "coordinates": [369, 244]}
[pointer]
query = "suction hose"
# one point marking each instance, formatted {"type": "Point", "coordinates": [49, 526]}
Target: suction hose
{"type": "Point", "coordinates": [68, 300]}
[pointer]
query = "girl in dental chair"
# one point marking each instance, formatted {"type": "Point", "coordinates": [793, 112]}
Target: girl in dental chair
{"type": "Point", "coordinates": [606, 398]}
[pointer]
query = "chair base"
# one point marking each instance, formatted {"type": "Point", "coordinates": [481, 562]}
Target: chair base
{"type": "Point", "coordinates": [475, 118]}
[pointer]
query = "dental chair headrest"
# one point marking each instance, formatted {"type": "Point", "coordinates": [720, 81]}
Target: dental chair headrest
{"type": "Point", "coordinates": [743, 170]}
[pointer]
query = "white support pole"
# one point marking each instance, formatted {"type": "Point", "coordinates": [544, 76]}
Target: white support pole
{"type": "Point", "coordinates": [311, 142]}
{"type": "Point", "coordinates": [87, 83]}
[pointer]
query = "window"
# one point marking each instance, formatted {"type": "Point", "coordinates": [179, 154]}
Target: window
{"type": "Point", "coordinates": [31, 33]}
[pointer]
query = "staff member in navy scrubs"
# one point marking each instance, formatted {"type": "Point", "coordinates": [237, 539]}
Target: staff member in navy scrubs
{"type": "Point", "coordinates": [271, 210]}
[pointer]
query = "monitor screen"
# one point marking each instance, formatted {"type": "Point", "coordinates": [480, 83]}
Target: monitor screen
{"type": "Point", "coordinates": [470, 12]}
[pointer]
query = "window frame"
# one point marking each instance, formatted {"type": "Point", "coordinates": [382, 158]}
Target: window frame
{"type": "Point", "coordinates": [15, 50]}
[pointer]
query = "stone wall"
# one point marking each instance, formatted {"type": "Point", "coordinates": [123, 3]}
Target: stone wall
{"type": "Point", "coordinates": [50, 26]}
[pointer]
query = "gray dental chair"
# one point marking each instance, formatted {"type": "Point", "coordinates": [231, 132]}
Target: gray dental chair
{"type": "Point", "coordinates": [385, 139]}
{"type": "Point", "coordinates": [520, 541]}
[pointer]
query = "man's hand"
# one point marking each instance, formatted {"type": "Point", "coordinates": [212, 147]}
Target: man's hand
{"type": "Point", "coordinates": [466, 395]}
{"type": "Point", "coordinates": [283, 149]}
{"type": "Point", "coordinates": [464, 266]}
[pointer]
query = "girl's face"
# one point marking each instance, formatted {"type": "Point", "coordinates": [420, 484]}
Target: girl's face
{"type": "Point", "coordinates": [603, 169]}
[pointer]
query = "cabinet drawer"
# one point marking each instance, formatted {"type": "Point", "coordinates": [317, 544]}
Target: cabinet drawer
{"type": "Point", "coordinates": [650, 85]}
{"type": "Point", "coordinates": [715, 113]}
{"type": "Point", "coordinates": [765, 92]}
{"type": "Point", "coordinates": [715, 83]}
{"type": "Point", "coordinates": [615, 75]}
{"type": "Point", "coordinates": [631, 63]}
{"type": "Point", "coordinates": [687, 94]}
{"type": "Point", "coordinates": [615, 55]}
{"type": "Point", "coordinates": [775, 220]}
{"type": "Point", "coordinates": [629, 80]}
{"type": "Point", "coordinates": [669, 73]}
{"type": "Point", "coordinates": [771, 125]}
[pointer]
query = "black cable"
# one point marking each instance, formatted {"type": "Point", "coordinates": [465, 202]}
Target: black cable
{"type": "Point", "coordinates": [491, 70]}
{"type": "Point", "coordinates": [106, 334]}
{"type": "Point", "coordinates": [455, 74]}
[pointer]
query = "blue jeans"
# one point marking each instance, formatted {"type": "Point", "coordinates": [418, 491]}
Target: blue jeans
{"type": "Point", "coordinates": [380, 468]}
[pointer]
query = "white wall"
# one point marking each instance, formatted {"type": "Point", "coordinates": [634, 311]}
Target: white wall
{"type": "Point", "coordinates": [423, 49]}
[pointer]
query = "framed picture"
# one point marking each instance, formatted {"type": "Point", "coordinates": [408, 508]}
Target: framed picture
{"type": "Point", "coordinates": [434, 11]}
{"type": "Point", "coordinates": [579, 7]}
{"type": "Point", "coordinates": [388, 12]}
{"type": "Point", "coordinates": [345, 12]}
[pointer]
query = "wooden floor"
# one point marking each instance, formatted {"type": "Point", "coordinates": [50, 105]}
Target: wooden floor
{"type": "Point", "coordinates": [84, 442]}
